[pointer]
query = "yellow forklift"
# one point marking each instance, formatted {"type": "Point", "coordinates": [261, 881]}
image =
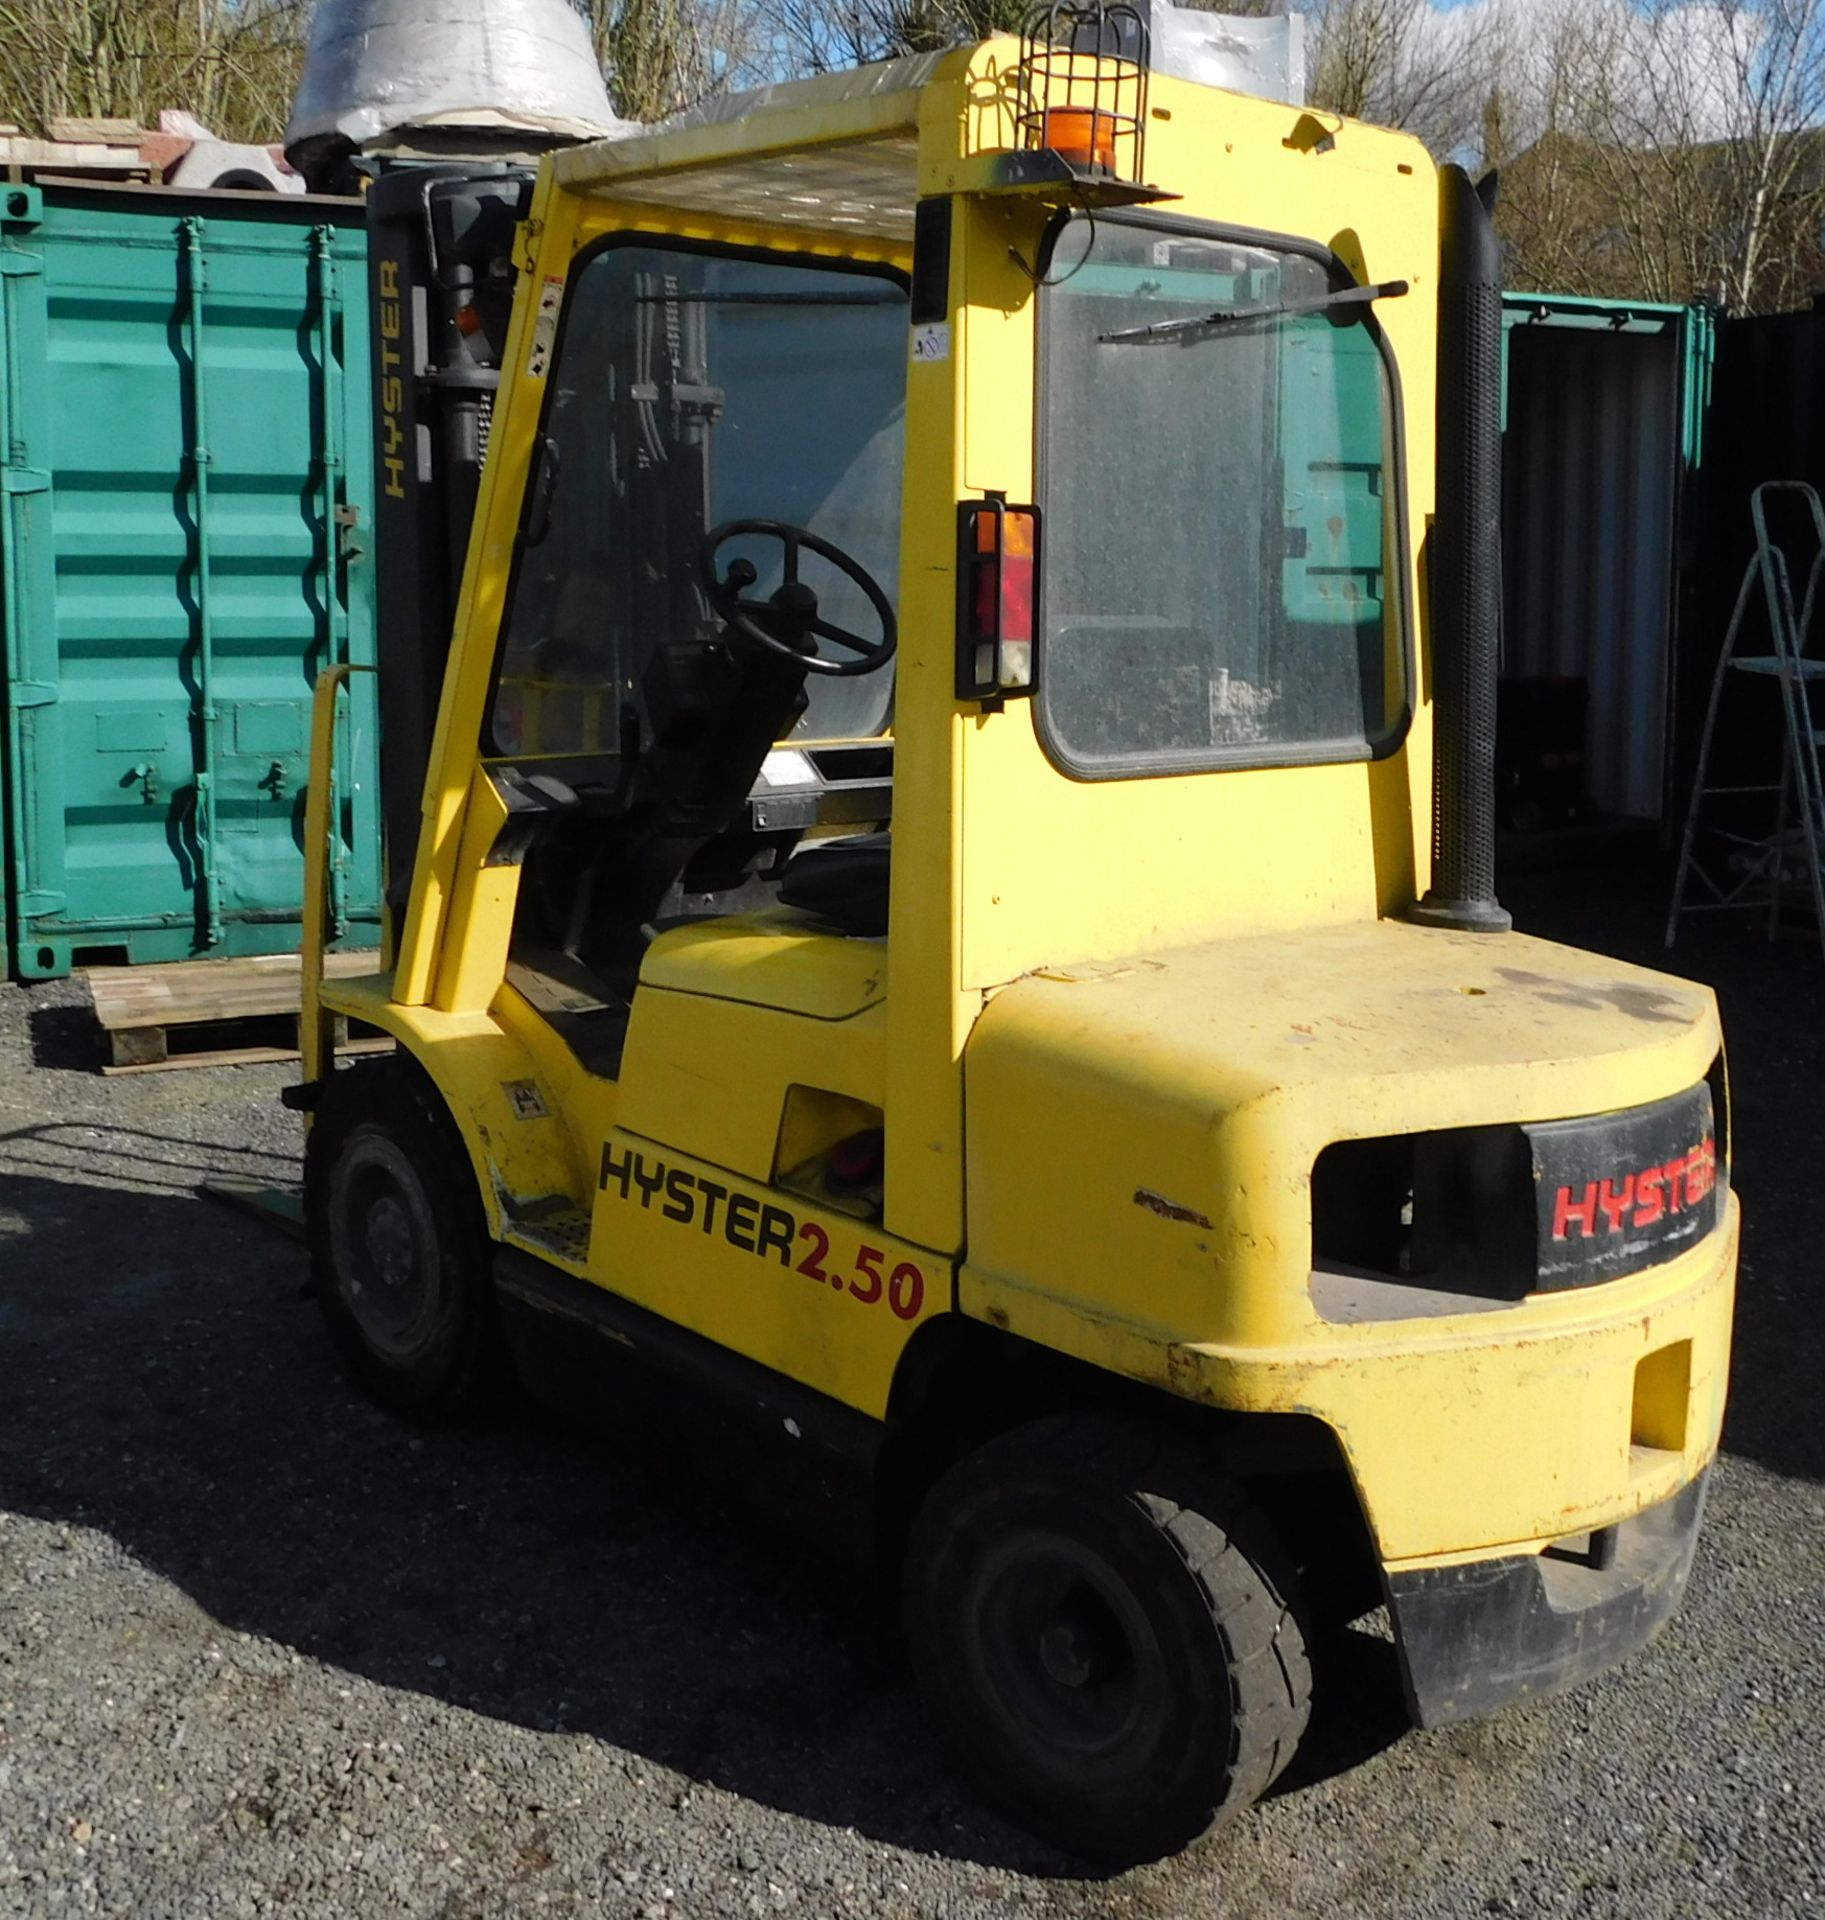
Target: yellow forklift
{"type": "Point", "coordinates": [954, 906]}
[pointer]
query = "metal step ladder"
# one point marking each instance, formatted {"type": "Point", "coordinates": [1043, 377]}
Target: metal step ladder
{"type": "Point", "coordinates": [1745, 870]}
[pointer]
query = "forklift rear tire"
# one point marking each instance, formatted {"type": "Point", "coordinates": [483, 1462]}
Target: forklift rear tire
{"type": "Point", "coordinates": [400, 1250]}
{"type": "Point", "coordinates": [1109, 1635]}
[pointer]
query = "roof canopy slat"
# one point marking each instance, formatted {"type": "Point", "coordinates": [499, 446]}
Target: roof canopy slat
{"type": "Point", "coordinates": [838, 152]}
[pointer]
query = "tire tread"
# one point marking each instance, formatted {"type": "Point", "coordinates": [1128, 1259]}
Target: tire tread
{"type": "Point", "coordinates": [1244, 1575]}
{"type": "Point", "coordinates": [399, 1095]}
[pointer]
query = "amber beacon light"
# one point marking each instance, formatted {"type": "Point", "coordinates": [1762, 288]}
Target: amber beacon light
{"type": "Point", "coordinates": [1083, 87]}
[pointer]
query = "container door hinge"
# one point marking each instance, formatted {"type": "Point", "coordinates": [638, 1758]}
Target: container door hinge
{"type": "Point", "coordinates": [37, 906]}
{"type": "Point", "coordinates": [20, 266]}
{"type": "Point", "coordinates": [32, 693]}
{"type": "Point", "coordinates": [24, 480]}
{"type": "Point", "coordinates": [348, 533]}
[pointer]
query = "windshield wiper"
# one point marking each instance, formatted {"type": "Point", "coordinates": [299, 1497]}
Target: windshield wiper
{"type": "Point", "coordinates": [1275, 310]}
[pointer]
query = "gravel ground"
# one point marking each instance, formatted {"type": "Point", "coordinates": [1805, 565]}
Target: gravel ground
{"type": "Point", "coordinates": [262, 1649]}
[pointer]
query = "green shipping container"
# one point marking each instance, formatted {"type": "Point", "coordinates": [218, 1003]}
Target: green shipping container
{"type": "Point", "coordinates": [185, 499]}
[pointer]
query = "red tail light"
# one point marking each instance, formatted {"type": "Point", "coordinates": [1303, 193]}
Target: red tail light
{"type": "Point", "coordinates": [998, 599]}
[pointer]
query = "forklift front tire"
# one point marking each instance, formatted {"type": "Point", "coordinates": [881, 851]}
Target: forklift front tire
{"type": "Point", "coordinates": [1109, 1636]}
{"type": "Point", "coordinates": [400, 1251]}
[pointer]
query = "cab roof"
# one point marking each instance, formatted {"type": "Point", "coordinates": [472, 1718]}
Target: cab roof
{"type": "Point", "coordinates": [851, 153]}
{"type": "Point", "coordinates": [838, 152]}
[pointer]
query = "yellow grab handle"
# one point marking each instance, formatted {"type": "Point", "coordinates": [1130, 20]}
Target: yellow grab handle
{"type": "Point", "coordinates": [315, 1042]}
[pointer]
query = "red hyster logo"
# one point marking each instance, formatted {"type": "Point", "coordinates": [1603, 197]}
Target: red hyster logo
{"type": "Point", "coordinates": [1638, 1199]}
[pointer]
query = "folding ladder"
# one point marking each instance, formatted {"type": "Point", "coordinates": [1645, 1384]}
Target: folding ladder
{"type": "Point", "coordinates": [1757, 870]}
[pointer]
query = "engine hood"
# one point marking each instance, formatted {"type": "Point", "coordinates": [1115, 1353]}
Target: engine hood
{"type": "Point", "coordinates": [1138, 1128]}
{"type": "Point", "coordinates": [1433, 1029]}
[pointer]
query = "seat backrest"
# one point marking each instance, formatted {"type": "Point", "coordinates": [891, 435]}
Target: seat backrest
{"type": "Point", "coordinates": [844, 882]}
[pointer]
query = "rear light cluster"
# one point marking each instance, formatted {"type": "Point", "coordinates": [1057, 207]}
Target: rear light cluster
{"type": "Point", "coordinates": [997, 600]}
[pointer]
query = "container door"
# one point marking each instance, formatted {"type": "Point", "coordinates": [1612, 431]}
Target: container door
{"type": "Point", "coordinates": [1598, 435]}
{"type": "Point", "coordinates": [34, 798]}
{"type": "Point", "coordinates": [182, 549]}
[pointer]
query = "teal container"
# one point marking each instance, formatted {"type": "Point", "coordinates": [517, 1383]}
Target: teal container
{"type": "Point", "coordinates": [185, 498]}
{"type": "Point", "coordinates": [1606, 405]}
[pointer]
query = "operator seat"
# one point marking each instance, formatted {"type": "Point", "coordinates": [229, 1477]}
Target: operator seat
{"type": "Point", "coordinates": [844, 882]}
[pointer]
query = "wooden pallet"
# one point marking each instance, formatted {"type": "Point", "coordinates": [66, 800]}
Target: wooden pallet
{"type": "Point", "coordinates": [213, 1013]}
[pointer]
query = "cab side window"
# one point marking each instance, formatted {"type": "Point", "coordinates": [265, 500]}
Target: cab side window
{"type": "Point", "coordinates": [693, 387]}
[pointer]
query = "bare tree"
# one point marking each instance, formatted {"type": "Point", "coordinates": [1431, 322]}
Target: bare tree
{"type": "Point", "coordinates": [232, 63]}
{"type": "Point", "coordinates": [1399, 63]}
{"type": "Point", "coordinates": [819, 36]}
{"type": "Point", "coordinates": [663, 55]}
{"type": "Point", "coordinates": [1670, 150]}
{"type": "Point", "coordinates": [1531, 133]}
{"type": "Point", "coordinates": [1770, 178]}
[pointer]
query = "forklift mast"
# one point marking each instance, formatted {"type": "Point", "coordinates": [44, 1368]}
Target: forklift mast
{"type": "Point", "coordinates": [440, 249]}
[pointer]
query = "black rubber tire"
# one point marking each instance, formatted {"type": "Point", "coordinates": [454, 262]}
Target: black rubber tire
{"type": "Point", "coordinates": [385, 1167]}
{"type": "Point", "coordinates": [1170, 1578]}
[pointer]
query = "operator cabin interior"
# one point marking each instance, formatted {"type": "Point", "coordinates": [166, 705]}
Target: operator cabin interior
{"type": "Point", "coordinates": [693, 705]}
{"type": "Point", "coordinates": [723, 443]}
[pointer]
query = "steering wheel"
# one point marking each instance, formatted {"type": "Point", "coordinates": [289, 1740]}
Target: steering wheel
{"type": "Point", "coordinates": [784, 622]}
